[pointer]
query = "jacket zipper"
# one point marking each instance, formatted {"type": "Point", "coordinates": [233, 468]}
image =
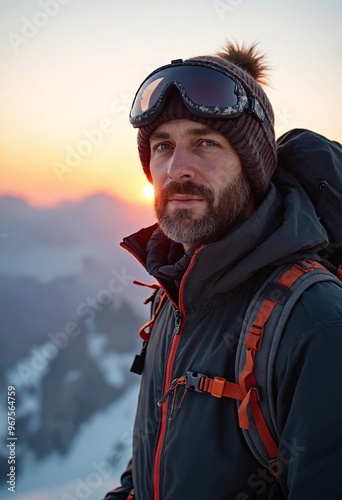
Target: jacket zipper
{"type": "Point", "coordinates": [164, 407]}
{"type": "Point", "coordinates": [178, 329]}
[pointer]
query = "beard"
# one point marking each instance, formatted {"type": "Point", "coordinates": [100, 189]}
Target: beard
{"type": "Point", "coordinates": [182, 225]}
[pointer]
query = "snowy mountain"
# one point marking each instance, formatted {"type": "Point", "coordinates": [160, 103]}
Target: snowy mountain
{"type": "Point", "coordinates": [69, 332]}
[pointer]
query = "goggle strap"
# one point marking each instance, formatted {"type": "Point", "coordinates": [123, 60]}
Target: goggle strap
{"type": "Point", "coordinates": [255, 108]}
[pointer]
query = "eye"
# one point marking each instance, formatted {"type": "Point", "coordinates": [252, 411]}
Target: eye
{"type": "Point", "coordinates": [207, 143]}
{"type": "Point", "coordinates": [163, 146]}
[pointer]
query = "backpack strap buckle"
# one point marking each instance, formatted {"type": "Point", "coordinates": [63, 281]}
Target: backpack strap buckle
{"type": "Point", "coordinates": [193, 381]}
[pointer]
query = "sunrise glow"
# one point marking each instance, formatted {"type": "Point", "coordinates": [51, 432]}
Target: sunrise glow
{"type": "Point", "coordinates": [148, 191]}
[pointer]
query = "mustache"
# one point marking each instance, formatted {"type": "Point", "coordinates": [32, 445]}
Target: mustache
{"type": "Point", "coordinates": [187, 187]}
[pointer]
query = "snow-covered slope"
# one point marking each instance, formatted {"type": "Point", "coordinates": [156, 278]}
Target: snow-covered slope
{"type": "Point", "coordinates": [100, 453]}
{"type": "Point", "coordinates": [69, 330]}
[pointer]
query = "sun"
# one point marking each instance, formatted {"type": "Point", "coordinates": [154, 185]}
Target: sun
{"type": "Point", "coordinates": [148, 191]}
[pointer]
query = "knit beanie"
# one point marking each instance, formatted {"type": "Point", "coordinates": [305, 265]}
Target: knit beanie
{"type": "Point", "coordinates": [246, 134]}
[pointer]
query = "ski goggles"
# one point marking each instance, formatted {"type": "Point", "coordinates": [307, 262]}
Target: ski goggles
{"type": "Point", "coordinates": [205, 91]}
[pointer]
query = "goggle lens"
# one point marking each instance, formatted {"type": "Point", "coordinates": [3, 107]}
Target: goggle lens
{"type": "Point", "coordinates": [204, 87]}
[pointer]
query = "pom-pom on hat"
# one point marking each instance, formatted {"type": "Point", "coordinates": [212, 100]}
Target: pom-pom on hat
{"type": "Point", "coordinates": [255, 147]}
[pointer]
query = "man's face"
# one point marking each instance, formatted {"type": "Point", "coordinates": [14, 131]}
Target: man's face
{"type": "Point", "coordinates": [201, 191]}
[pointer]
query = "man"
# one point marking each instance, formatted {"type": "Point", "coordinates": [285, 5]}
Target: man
{"type": "Point", "coordinates": [206, 141]}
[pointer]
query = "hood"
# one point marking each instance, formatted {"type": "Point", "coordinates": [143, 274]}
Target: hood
{"type": "Point", "coordinates": [283, 228]}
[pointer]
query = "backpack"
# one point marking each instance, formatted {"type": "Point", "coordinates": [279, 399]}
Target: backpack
{"type": "Point", "coordinates": [315, 162]}
{"type": "Point", "coordinates": [260, 336]}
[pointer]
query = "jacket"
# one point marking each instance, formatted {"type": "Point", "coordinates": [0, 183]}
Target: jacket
{"type": "Point", "coordinates": [191, 447]}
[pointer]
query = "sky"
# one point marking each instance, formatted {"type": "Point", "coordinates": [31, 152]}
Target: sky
{"type": "Point", "coordinates": [69, 70]}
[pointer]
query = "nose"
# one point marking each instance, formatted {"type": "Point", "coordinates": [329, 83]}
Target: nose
{"type": "Point", "coordinates": [181, 165]}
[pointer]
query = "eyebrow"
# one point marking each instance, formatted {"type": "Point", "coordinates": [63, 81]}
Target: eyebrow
{"type": "Point", "coordinates": [196, 132]}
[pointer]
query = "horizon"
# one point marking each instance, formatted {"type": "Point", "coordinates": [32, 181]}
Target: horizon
{"type": "Point", "coordinates": [37, 205]}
